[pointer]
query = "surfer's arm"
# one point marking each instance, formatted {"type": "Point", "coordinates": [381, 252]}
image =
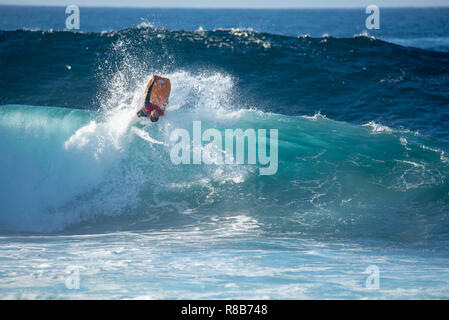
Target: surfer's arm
{"type": "Point", "coordinates": [147, 91]}
{"type": "Point", "coordinates": [153, 78]}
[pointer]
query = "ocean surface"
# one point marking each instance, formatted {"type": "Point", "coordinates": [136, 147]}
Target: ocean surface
{"type": "Point", "coordinates": [91, 205]}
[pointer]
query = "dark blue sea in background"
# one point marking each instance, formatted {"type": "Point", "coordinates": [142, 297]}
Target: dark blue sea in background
{"type": "Point", "coordinates": [363, 154]}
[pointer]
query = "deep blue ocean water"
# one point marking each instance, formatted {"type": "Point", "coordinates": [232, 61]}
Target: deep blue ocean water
{"type": "Point", "coordinates": [363, 166]}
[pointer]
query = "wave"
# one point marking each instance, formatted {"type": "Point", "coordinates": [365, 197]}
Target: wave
{"type": "Point", "coordinates": [347, 168]}
{"type": "Point", "coordinates": [69, 170]}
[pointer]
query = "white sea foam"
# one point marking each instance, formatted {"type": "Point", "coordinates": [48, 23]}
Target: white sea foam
{"type": "Point", "coordinates": [378, 128]}
{"type": "Point", "coordinates": [316, 116]}
{"type": "Point", "coordinates": [145, 24]}
{"type": "Point", "coordinates": [364, 34]}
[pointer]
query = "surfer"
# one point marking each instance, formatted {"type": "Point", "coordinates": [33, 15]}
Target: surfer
{"type": "Point", "coordinates": [157, 92]}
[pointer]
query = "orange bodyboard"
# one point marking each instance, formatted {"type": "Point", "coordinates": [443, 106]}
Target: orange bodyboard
{"type": "Point", "coordinates": [160, 90]}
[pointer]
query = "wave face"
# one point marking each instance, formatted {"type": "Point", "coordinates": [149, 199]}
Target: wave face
{"type": "Point", "coordinates": [356, 80]}
{"type": "Point", "coordinates": [75, 169]}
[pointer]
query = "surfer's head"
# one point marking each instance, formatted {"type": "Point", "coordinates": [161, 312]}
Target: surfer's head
{"type": "Point", "coordinates": [154, 115]}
